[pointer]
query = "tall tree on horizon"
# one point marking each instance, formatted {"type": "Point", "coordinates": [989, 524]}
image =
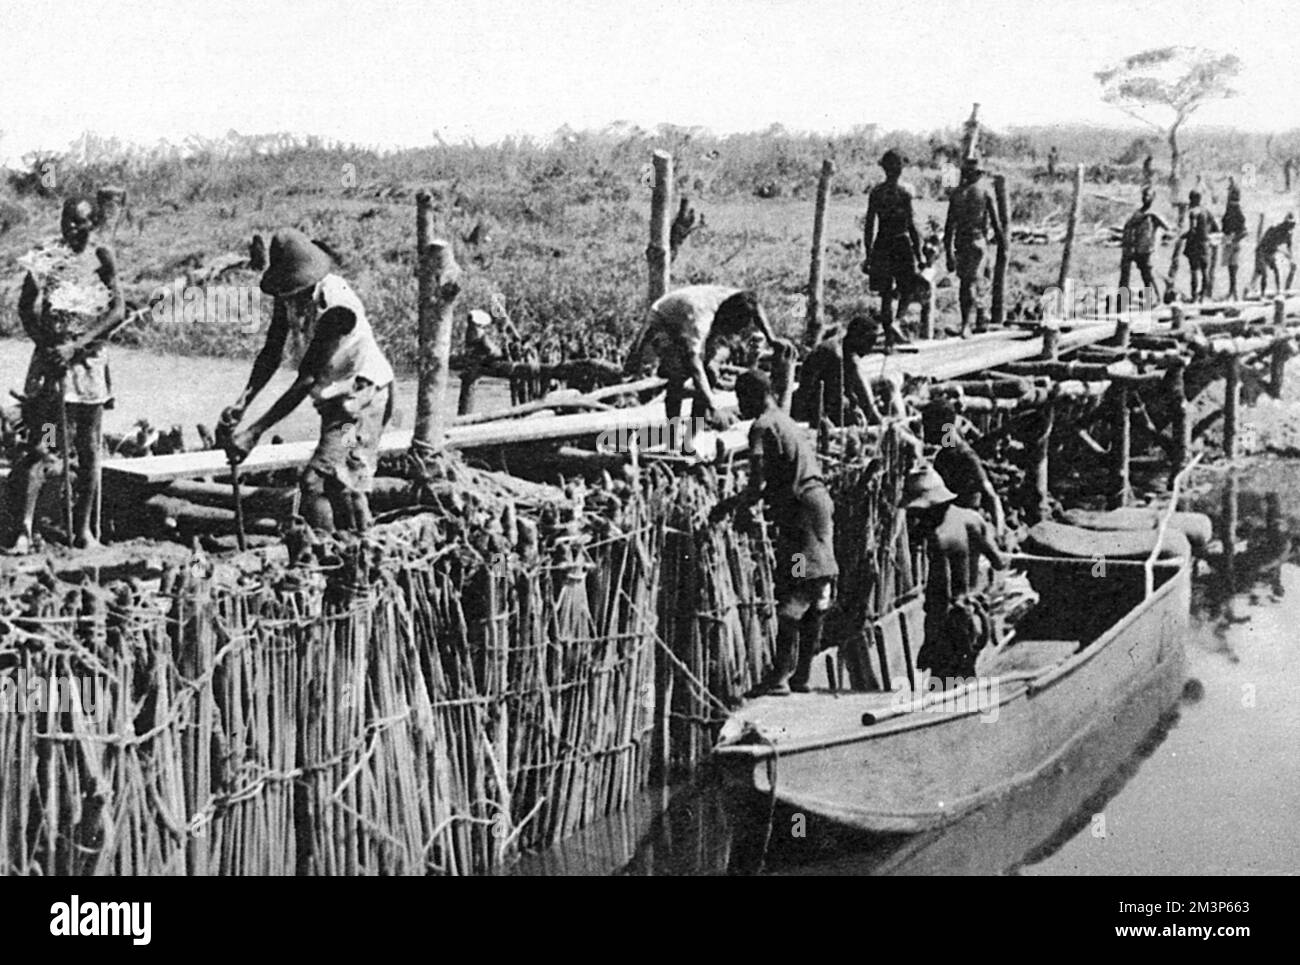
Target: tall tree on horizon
{"type": "Point", "coordinates": [1169, 79]}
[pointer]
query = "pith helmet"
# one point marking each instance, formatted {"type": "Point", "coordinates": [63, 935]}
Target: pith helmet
{"type": "Point", "coordinates": [924, 489]}
{"type": "Point", "coordinates": [296, 263]}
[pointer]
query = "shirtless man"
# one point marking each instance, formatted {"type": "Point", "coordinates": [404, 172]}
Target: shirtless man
{"type": "Point", "coordinates": [1141, 232]}
{"type": "Point", "coordinates": [1196, 245]}
{"type": "Point", "coordinates": [831, 370]}
{"type": "Point", "coordinates": [342, 369]}
{"type": "Point", "coordinates": [892, 244]}
{"type": "Point", "coordinates": [1274, 245]}
{"type": "Point", "coordinates": [955, 540]}
{"type": "Point", "coordinates": [69, 306]}
{"type": "Point", "coordinates": [972, 215]}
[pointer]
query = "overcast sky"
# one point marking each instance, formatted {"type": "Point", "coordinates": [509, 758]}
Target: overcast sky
{"type": "Point", "coordinates": [392, 72]}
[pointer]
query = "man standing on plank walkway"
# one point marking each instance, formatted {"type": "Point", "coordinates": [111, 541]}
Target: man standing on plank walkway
{"type": "Point", "coordinates": [893, 246]}
{"type": "Point", "coordinates": [972, 215]}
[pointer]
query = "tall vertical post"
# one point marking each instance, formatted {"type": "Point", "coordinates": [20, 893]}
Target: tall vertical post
{"type": "Point", "coordinates": [1071, 227]}
{"type": "Point", "coordinates": [1231, 405]}
{"type": "Point", "coordinates": [999, 308]}
{"type": "Point", "coordinates": [1281, 352]}
{"type": "Point", "coordinates": [816, 319]}
{"type": "Point", "coordinates": [1122, 451]}
{"type": "Point", "coordinates": [1182, 422]}
{"type": "Point", "coordinates": [1041, 447]}
{"type": "Point", "coordinates": [657, 253]}
{"type": "Point", "coordinates": [438, 286]}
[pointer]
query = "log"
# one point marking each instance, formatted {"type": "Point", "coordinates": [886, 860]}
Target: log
{"type": "Point", "coordinates": [1071, 227]}
{"type": "Point", "coordinates": [998, 310]}
{"type": "Point", "coordinates": [1278, 358]}
{"type": "Point", "coordinates": [816, 318]}
{"type": "Point", "coordinates": [264, 500]}
{"type": "Point", "coordinates": [1122, 450]}
{"type": "Point", "coordinates": [191, 517]}
{"type": "Point", "coordinates": [438, 281]}
{"type": "Point", "coordinates": [1231, 406]}
{"type": "Point", "coordinates": [657, 257]}
{"type": "Point", "coordinates": [1182, 424]}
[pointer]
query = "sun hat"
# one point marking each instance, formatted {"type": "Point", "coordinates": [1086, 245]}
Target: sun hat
{"type": "Point", "coordinates": [925, 489]}
{"type": "Point", "coordinates": [296, 263]}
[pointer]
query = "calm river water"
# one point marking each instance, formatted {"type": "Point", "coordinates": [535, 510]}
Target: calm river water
{"type": "Point", "coordinates": [1212, 787]}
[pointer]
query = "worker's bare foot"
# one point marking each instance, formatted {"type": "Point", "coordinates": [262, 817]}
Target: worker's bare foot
{"type": "Point", "coordinates": [21, 546]}
{"type": "Point", "coordinates": [771, 688]}
{"type": "Point", "coordinates": [86, 541]}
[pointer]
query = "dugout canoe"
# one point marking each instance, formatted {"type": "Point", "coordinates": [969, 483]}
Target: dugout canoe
{"type": "Point", "coordinates": [912, 761]}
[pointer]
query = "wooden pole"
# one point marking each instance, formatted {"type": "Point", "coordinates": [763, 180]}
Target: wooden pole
{"type": "Point", "coordinates": [816, 306]}
{"type": "Point", "coordinates": [999, 307]}
{"type": "Point", "coordinates": [1071, 227]}
{"type": "Point", "coordinates": [1123, 449]}
{"type": "Point", "coordinates": [1182, 422]}
{"type": "Point", "coordinates": [657, 253]}
{"type": "Point", "coordinates": [1231, 406]}
{"type": "Point", "coordinates": [971, 138]}
{"type": "Point", "coordinates": [1042, 444]}
{"type": "Point", "coordinates": [438, 284]}
{"type": "Point", "coordinates": [1278, 357]}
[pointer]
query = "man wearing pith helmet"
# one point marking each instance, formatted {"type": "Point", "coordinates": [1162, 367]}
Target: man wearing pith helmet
{"type": "Point", "coordinates": [323, 323]}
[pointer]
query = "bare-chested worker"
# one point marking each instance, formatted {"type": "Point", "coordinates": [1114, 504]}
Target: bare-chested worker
{"type": "Point", "coordinates": [1274, 247]}
{"type": "Point", "coordinates": [1197, 243]}
{"type": "Point", "coordinates": [956, 619]}
{"type": "Point", "coordinates": [831, 372]}
{"type": "Point", "coordinates": [892, 245]}
{"type": "Point", "coordinates": [342, 369]}
{"type": "Point", "coordinates": [70, 304]}
{"type": "Point", "coordinates": [1234, 234]}
{"type": "Point", "coordinates": [1141, 232]}
{"type": "Point", "coordinates": [972, 216]}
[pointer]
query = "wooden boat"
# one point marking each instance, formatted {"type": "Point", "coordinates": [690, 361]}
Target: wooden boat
{"type": "Point", "coordinates": [909, 761]}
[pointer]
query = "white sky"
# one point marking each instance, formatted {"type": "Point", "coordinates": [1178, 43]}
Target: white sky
{"type": "Point", "coordinates": [391, 72]}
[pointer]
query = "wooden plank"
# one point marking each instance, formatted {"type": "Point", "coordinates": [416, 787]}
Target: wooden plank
{"type": "Point", "coordinates": [648, 419]}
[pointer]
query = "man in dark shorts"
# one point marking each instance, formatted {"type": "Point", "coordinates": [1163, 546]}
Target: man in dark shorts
{"type": "Point", "coordinates": [957, 622]}
{"type": "Point", "coordinates": [893, 245]}
{"type": "Point", "coordinates": [1139, 243]}
{"type": "Point", "coordinates": [342, 369]}
{"type": "Point", "coordinates": [972, 215]}
{"type": "Point", "coordinates": [1234, 235]}
{"type": "Point", "coordinates": [786, 476]}
{"type": "Point", "coordinates": [1196, 245]}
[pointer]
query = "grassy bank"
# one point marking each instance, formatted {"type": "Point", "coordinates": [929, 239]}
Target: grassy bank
{"type": "Point", "coordinates": [561, 226]}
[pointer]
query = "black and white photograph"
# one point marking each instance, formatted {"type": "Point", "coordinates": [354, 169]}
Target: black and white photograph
{"type": "Point", "coordinates": [705, 438]}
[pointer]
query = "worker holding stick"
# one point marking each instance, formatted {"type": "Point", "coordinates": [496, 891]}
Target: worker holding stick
{"type": "Point", "coordinates": [70, 305]}
{"type": "Point", "coordinates": [342, 369]}
{"type": "Point", "coordinates": [784, 473]}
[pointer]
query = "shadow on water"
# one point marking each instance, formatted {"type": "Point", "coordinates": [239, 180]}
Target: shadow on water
{"type": "Point", "coordinates": [686, 831]}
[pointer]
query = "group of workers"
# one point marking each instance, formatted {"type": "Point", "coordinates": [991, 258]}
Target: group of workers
{"type": "Point", "coordinates": [70, 306]}
{"type": "Point", "coordinates": [1199, 243]}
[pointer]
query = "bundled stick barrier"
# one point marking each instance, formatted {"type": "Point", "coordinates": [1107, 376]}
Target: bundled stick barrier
{"type": "Point", "coordinates": [454, 688]}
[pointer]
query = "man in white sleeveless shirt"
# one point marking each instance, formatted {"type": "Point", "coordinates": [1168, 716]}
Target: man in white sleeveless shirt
{"type": "Point", "coordinates": [342, 369]}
